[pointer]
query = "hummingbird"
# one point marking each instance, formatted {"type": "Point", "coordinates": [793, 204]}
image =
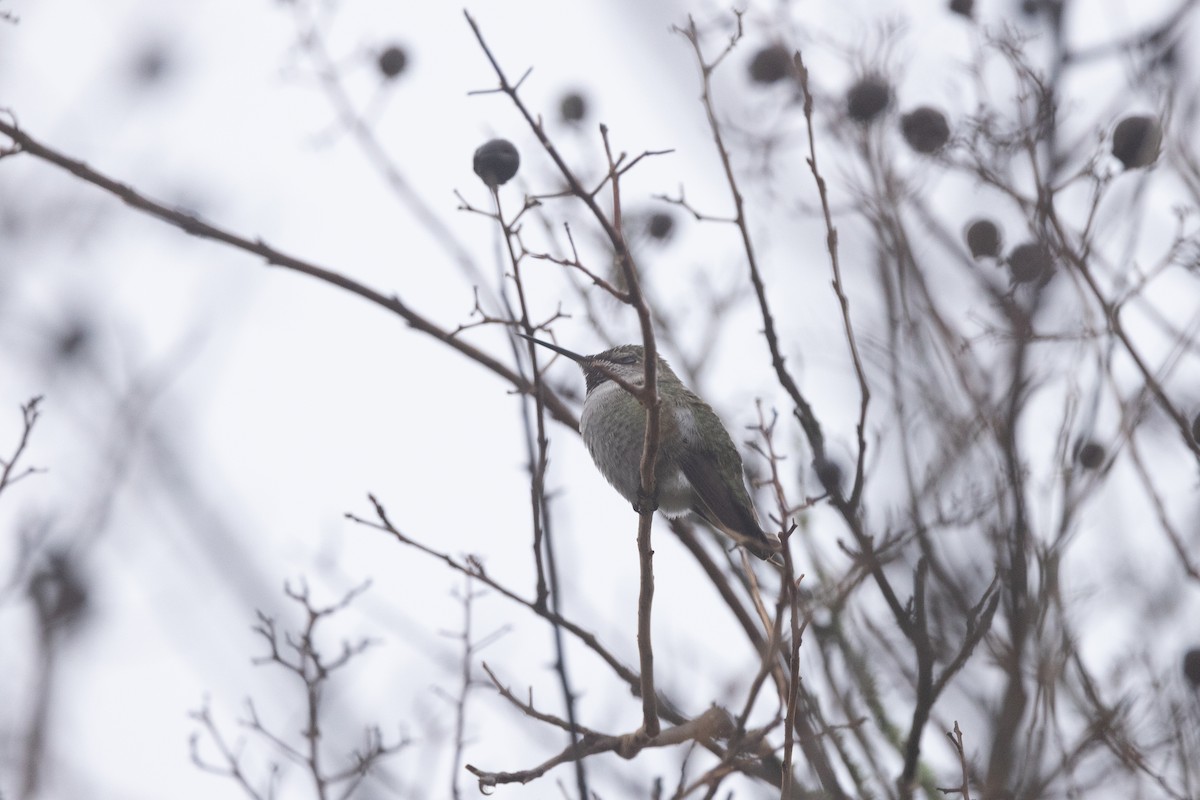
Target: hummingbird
{"type": "Point", "coordinates": [698, 468]}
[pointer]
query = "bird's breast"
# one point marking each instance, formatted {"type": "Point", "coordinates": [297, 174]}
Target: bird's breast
{"type": "Point", "coordinates": [613, 425]}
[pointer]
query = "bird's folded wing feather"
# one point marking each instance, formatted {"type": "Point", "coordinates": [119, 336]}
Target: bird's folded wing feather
{"type": "Point", "coordinates": [716, 499]}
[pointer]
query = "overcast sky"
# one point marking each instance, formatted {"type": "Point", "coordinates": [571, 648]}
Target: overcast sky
{"type": "Point", "coordinates": [217, 417]}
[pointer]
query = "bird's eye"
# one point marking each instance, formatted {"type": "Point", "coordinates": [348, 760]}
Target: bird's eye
{"type": "Point", "coordinates": [625, 360]}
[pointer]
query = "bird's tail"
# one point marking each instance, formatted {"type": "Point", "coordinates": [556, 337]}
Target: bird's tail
{"type": "Point", "coordinates": [743, 529]}
{"type": "Point", "coordinates": [767, 548]}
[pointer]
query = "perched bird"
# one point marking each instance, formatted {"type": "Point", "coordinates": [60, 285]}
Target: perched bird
{"type": "Point", "coordinates": [698, 468]}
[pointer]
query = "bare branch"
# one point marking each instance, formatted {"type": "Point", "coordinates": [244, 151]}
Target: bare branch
{"type": "Point", "coordinates": [196, 226]}
{"type": "Point", "coordinates": [29, 416]}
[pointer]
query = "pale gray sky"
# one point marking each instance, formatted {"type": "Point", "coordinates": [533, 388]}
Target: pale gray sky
{"type": "Point", "coordinates": [225, 415]}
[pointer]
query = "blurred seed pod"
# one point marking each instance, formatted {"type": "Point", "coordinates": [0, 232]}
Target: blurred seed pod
{"type": "Point", "coordinates": [153, 64]}
{"type": "Point", "coordinates": [661, 226]}
{"type": "Point", "coordinates": [925, 129]}
{"type": "Point", "coordinates": [496, 162]}
{"type": "Point", "coordinates": [1137, 141]}
{"type": "Point", "coordinates": [573, 108]}
{"type": "Point", "coordinates": [868, 98]}
{"type": "Point", "coordinates": [1028, 262]}
{"type": "Point", "coordinates": [830, 475]}
{"type": "Point", "coordinates": [770, 64]}
{"type": "Point", "coordinates": [983, 239]}
{"type": "Point", "coordinates": [59, 593]}
{"type": "Point", "coordinates": [392, 61]}
{"type": "Point", "coordinates": [1089, 454]}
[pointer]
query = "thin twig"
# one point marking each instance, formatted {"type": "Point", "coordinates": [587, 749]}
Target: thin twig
{"type": "Point", "coordinates": [831, 244]}
{"type": "Point", "coordinates": [808, 420]}
{"type": "Point", "coordinates": [542, 538]}
{"type": "Point", "coordinates": [647, 394]}
{"type": "Point", "coordinates": [29, 416]}
{"type": "Point", "coordinates": [475, 568]}
{"type": "Point", "coordinates": [956, 740]}
{"type": "Point", "coordinates": [712, 724]}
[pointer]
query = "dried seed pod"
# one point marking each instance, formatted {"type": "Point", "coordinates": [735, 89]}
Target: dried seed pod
{"type": "Point", "coordinates": [573, 108]}
{"type": "Point", "coordinates": [660, 226]}
{"type": "Point", "coordinates": [1028, 262]}
{"type": "Point", "coordinates": [868, 98]}
{"type": "Point", "coordinates": [1137, 141]}
{"type": "Point", "coordinates": [925, 129]}
{"type": "Point", "coordinates": [770, 64]}
{"type": "Point", "coordinates": [153, 64]}
{"type": "Point", "coordinates": [829, 473]}
{"type": "Point", "coordinates": [392, 61]}
{"type": "Point", "coordinates": [1089, 454]}
{"type": "Point", "coordinates": [983, 239]}
{"type": "Point", "coordinates": [496, 162]}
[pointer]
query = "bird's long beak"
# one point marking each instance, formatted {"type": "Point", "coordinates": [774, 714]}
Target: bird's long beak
{"type": "Point", "coordinates": [578, 359]}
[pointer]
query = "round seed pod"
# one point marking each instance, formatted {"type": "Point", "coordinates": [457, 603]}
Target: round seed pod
{"type": "Point", "coordinates": [1089, 454]}
{"type": "Point", "coordinates": [868, 98]}
{"type": "Point", "coordinates": [771, 64]}
{"type": "Point", "coordinates": [983, 239]}
{"type": "Point", "coordinates": [153, 64]}
{"type": "Point", "coordinates": [573, 107]}
{"type": "Point", "coordinates": [392, 61]}
{"type": "Point", "coordinates": [660, 226]}
{"type": "Point", "coordinates": [925, 129]}
{"type": "Point", "coordinates": [496, 162]}
{"type": "Point", "coordinates": [1137, 141]}
{"type": "Point", "coordinates": [830, 475]}
{"type": "Point", "coordinates": [1028, 262]}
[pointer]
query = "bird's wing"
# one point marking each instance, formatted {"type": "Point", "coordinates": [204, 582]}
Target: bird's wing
{"type": "Point", "coordinates": [725, 505]}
